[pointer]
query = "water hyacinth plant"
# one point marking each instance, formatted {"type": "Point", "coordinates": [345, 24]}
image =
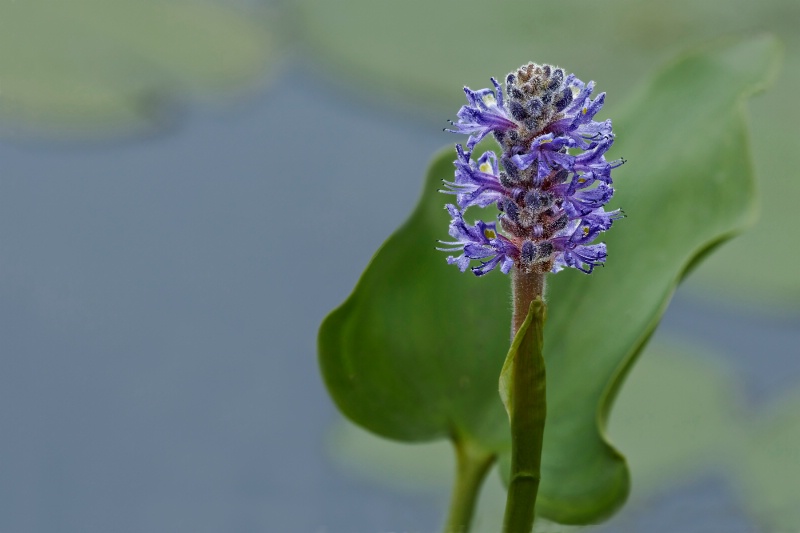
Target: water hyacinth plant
{"type": "Point", "coordinates": [417, 351]}
{"type": "Point", "coordinates": [550, 196]}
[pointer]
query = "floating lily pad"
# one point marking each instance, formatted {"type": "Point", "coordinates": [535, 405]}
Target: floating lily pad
{"type": "Point", "coordinates": [415, 352]}
{"type": "Point", "coordinates": [770, 466]}
{"type": "Point", "coordinates": [97, 66]}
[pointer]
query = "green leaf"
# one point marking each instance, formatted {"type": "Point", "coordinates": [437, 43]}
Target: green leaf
{"type": "Point", "coordinates": [415, 352]}
{"type": "Point", "coordinates": [89, 65]}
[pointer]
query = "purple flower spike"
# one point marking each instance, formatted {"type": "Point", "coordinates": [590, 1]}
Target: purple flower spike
{"type": "Point", "coordinates": [555, 182]}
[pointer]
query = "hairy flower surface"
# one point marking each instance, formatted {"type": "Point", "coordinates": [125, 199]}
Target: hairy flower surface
{"type": "Point", "coordinates": [554, 182]}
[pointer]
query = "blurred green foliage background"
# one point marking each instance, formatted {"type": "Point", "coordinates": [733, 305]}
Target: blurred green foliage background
{"type": "Point", "coordinates": [92, 69]}
{"type": "Point", "coordinates": [95, 67]}
{"type": "Point", "coordinates": [85, 66]}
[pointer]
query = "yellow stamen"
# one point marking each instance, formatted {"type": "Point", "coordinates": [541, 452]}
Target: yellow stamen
{"type": "Point", "coordinates": [489, 233]}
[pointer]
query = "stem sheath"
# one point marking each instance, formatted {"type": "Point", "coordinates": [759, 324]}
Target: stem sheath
{"type": "Point", "coordinates": [527, 409]}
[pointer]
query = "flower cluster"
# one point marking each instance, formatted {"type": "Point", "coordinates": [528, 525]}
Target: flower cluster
{"type": "Point", "coordinates": [554, 180]}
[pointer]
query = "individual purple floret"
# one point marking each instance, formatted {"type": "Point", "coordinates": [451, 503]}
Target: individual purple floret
{"type": "Point", "coordinates": [477, 182]}
{"type": "Point", "coordinates": [480, 242]}
{"type": "Point", "coordinates": [483, 114]}
{"type": "Point", "coordinates": [554, 182]}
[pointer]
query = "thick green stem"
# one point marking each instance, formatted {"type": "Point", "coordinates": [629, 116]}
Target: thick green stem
{"type": "Point", "coordinates": [527, 409]}
{"type": "Point", "coordinates": [472, 465]}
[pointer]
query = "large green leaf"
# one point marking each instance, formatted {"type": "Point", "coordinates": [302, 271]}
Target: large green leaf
{"type": "Point", "coordinates": [113, 64]}
{"type": "Point", "coordinates": [420, 51]}
{"type": "Point", "coordinates": [414, 353]}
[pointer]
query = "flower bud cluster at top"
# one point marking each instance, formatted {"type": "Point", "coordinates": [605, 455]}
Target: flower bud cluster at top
{"type": "Point", "coordinates": [554, 180]}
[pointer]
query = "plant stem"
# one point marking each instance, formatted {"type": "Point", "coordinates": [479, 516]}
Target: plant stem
{"type": "Point", "coordinates": [528, 407]}
{"type": "Point", "coordinates": [525, 289]}
{"type": "Point", "coordinates": [472, 465]}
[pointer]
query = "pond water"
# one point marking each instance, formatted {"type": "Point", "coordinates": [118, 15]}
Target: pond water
{"type": "Point", "coordinates": [159, 300]}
